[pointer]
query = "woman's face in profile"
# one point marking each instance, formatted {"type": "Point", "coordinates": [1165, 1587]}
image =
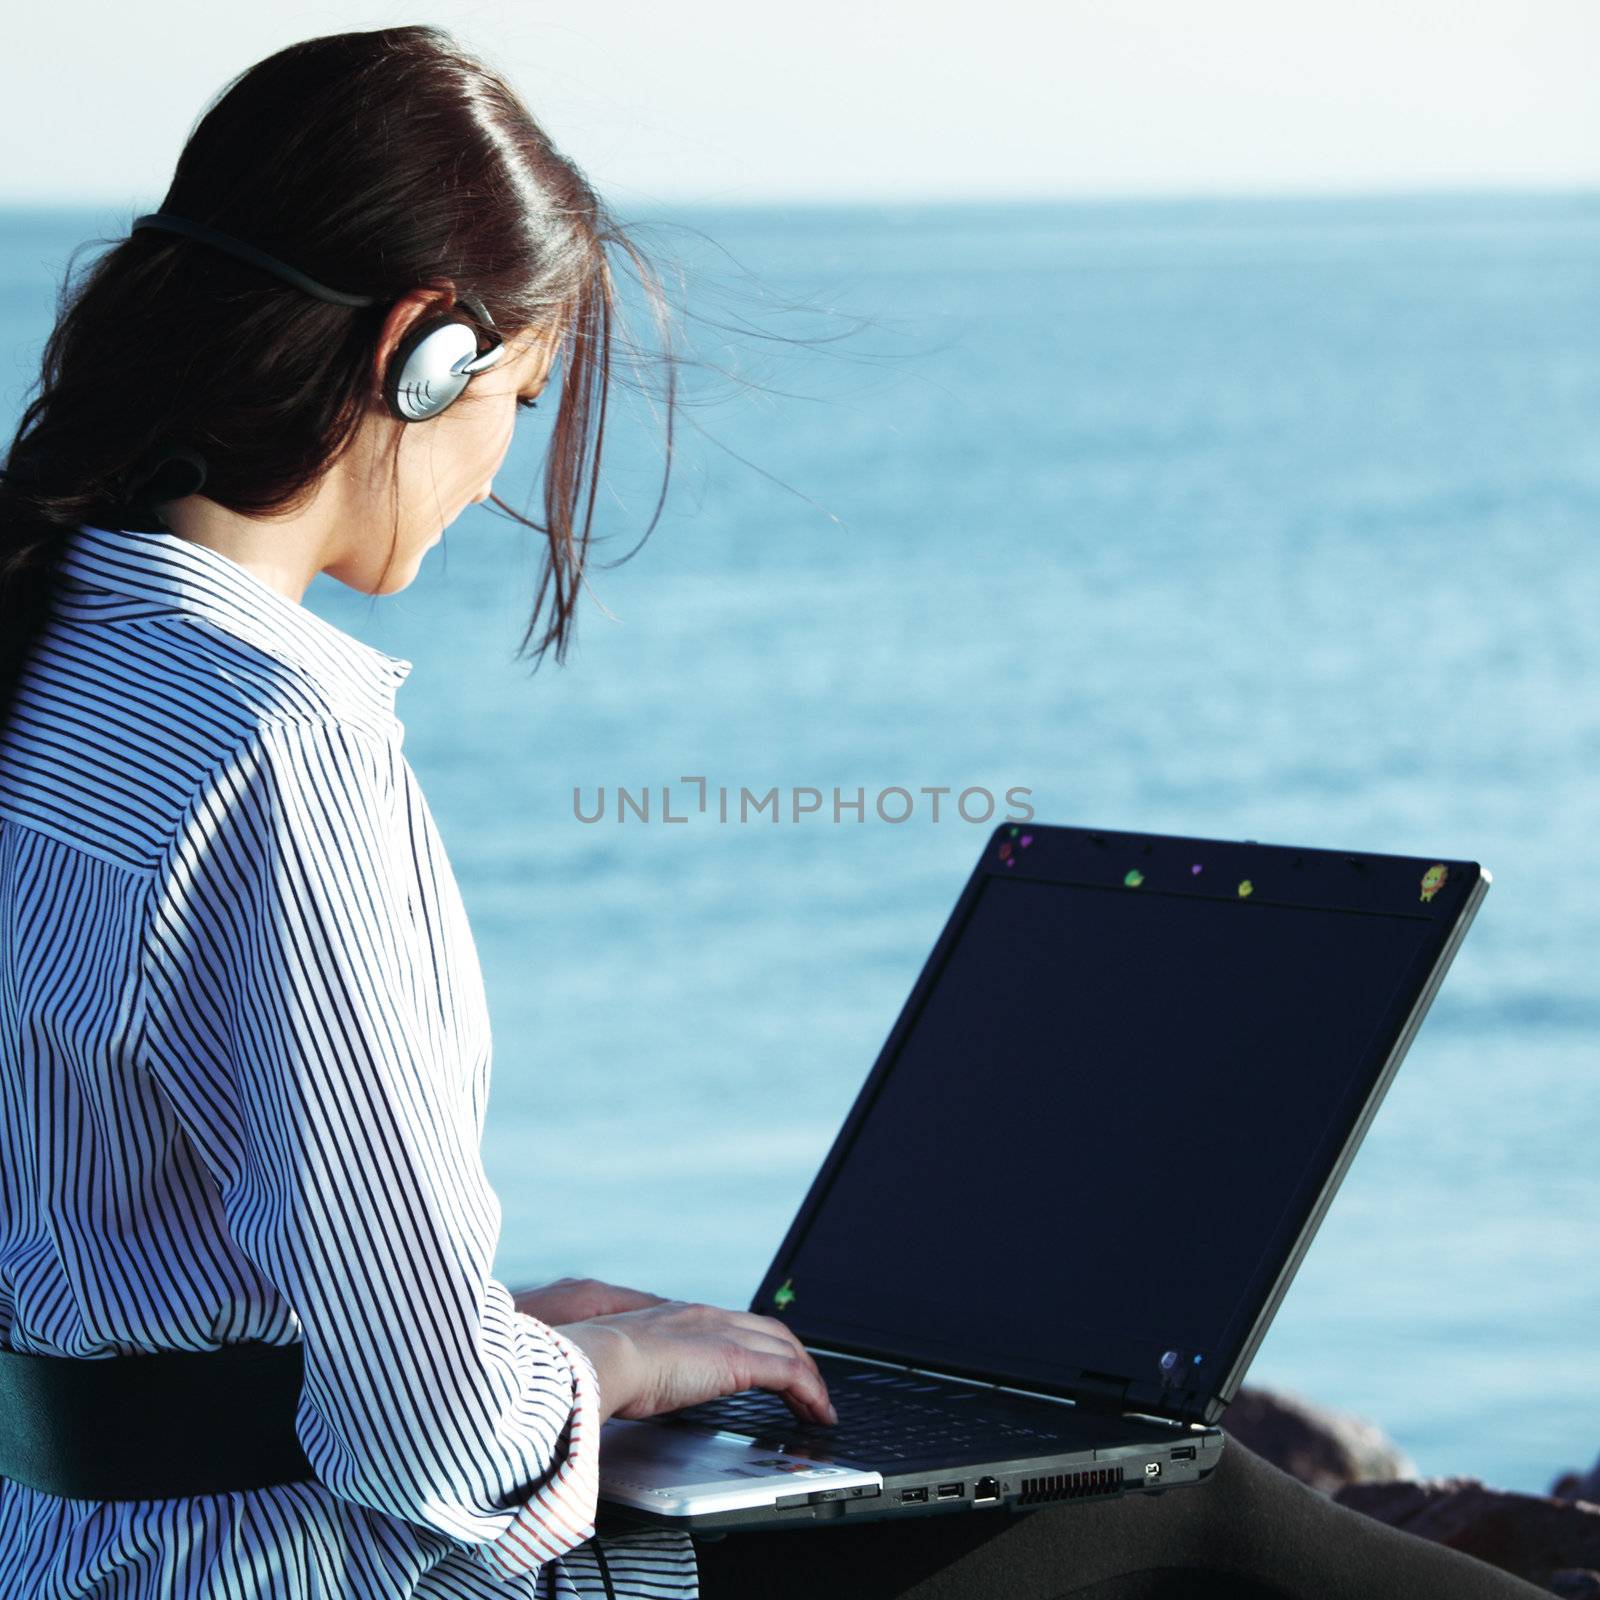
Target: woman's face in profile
{"type": "Point", "coordinates": [450, 461]}
{"type": "Point", "coordinates": [353, 527]}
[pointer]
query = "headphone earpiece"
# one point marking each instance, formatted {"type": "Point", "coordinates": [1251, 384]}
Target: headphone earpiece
{"type": "Point", "coordinates": [437, 358]}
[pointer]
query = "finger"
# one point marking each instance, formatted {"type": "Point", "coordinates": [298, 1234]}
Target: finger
{"type": "Point", "coordinates": [772, 1325]}
{"type": "Point", "coordinates": [768, 1343]}
{"type": "Point", "coordinates": [797, 1382]}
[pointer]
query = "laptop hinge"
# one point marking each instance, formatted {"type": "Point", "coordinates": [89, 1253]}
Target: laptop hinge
{"type": "Point", "coordinates": [1090, 1391]}
{"type": "Point", "coordinates": [1100, 1391]}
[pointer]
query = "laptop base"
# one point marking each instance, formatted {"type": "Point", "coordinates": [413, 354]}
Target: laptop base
{"type": "Point", "coordinates": [1149, 1458]}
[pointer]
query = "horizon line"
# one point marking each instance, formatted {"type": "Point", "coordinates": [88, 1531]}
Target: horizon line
{"type": "Point", "coordinates": [617, 200]}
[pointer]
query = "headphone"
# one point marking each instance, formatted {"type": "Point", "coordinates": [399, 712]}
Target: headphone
{"type": "Point", "coordinates": [427, 373]}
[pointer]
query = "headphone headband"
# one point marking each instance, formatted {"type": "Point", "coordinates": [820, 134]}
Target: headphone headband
{"type": "Point", "coordinates": [430, 369]}
{"type": "Point", "coordinates": [168, 223]}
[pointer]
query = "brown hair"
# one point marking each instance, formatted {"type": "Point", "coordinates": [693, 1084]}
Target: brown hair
{"type": "Point", "coordinates": [378, 162]}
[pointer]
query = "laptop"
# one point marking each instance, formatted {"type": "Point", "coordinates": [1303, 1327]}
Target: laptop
{"type": "Point", "coordinates": [1043, 1249]}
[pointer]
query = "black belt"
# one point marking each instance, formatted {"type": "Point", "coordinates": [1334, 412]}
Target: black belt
{"type": "Point", "coordinates": [152, 1427]}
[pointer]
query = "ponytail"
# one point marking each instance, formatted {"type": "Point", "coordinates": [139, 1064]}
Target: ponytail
{"type": "Point", "coordinates": [43, 501]}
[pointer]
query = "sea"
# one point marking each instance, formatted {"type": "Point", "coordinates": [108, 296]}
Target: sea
{"type": "Point", "coordinates": [1270, 518]}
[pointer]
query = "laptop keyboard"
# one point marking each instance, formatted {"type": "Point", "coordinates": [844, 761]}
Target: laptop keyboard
{"type": "Point", "coordinates": [883, 1417]}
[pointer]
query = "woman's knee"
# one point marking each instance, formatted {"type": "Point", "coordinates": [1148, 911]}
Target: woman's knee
{"type": "Point", "coordinates": [1248, 1501]}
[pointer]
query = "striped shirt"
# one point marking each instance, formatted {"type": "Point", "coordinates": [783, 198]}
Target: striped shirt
{"type": "Point", "coordinates": [243, 1075]}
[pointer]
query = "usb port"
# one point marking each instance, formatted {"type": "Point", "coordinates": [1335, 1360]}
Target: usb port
{"type": "Point", "coordinates": [1183, 1453]}
{"type": "Point", "coordinates": [986, 1489]}
{"type": "Point", "coordinates": [952, 1491]}
{"type": "Point", "coordinates": [914, 1494]}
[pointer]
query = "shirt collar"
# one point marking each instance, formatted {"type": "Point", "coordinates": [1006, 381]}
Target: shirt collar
{"type": "Point", "coordinates": [170, 570]}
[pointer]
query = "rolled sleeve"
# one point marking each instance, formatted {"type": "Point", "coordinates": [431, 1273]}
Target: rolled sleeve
{"type": "Point", "coordinates": [560, 1512]}
{"type": "Point", "coordinates": [295, 959]}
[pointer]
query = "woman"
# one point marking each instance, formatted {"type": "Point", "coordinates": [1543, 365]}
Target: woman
{"type": "Point", "coordinates": [246, 1233]}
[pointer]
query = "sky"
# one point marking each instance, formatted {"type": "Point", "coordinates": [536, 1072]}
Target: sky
{"type": "Point", "coordinates": [697, 101]}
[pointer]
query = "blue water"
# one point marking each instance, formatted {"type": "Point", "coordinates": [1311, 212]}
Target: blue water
{"type": "Point", "coordinates": [1276, 520]}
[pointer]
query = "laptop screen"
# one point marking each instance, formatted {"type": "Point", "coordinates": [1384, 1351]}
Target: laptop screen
{"type": "Point", "coordinates": [1107, 1111]}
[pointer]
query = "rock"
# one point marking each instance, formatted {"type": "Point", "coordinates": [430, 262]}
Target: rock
{"type": "Point", "coordinates": [1551, 1540]}
{"type": "Point", "coordinates": [1578, 1485]}
{"type": "Point", "coordinates": [1324, 1448]}
{"type": "Point", "coordinates": [1539, 1537]}
{"type": "Point", "coordinates": [1573, 1584]}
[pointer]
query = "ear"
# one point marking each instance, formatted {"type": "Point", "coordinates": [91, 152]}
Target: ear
{"type": "Point", "coordinates": [404, 315]}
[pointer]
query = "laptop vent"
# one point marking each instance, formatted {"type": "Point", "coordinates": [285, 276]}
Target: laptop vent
{"type": "Point", "coordinates": [1071, 1485]}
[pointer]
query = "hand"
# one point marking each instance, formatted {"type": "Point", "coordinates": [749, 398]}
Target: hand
{"type": "Point", "coordinates": [678, 1353]}
{"type": "Point", "coordinates": [577, 1299]}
